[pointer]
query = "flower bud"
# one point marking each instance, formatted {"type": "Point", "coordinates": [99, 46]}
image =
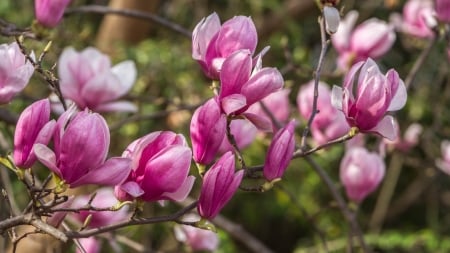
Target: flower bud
{"type": "Point", "coordinates": [32, 127]}
{"type": "Point", "coordinates": [15, 69]}
{"type": "Point", "coordinates": [50, 12]}
{"type": "Point", "coordinates": [219, 185]}
{"type": "Point", "coordinates": [361, 172]}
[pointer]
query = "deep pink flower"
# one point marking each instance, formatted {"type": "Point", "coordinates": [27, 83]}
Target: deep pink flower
{"type": "Point", "coordinates": [104, 198]}
{"type": "Point", "coordinates": [418, 18]}
{"type": "Point", "coordinates": [213, 43]}
{"type": "Point", "coordinates": [367, 95]}
{"type": "Point", "coordinates": [208, 127]}
{"type": "Point", "coordinates": [443, 10]}
{"type": "Point", "coordinates": [160, 167]}
{"type": "Point", "coordinates": [34, 126]}
{"type": "Point", "coordinates": [361, 172]}
{"type": "Point", "coordinates": [329, 123]}
{"type": "Point", "coordinates": [196, 238]}
{"type": "Point", "coordinates": [88, 79]}
{"type": "Point", "coordinates": [219, 185]}
{"type": "Point", "coordinates": [15, 71]}
{"type": "Point", "coordinates": [373, 38]}
{"type": "Point", "coordinates": [280, 152]}
{"type": "Point", "coordinates": [81, 143]}
{"type": "Point", "coordinates": [240, 87]}
{"type": "Point", "coordinates": [50, 12]}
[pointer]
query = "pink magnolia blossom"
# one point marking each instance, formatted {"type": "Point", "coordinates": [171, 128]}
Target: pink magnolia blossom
{"type": "Point", "coordinates": [212, 43]}
{"type": "Point", "coordinates": [328, 123]}
{"type": "Point", "coordinates": [443, 10]}
{"type": "Point", "coordinates": [361, 172]}
{"type": "Point", "coordinates": [104, 198]}
{"type": "Point", "coordinates": [408, 140]}
{"type": "Point", "coordinates": [50, 12]}
{"type": "Point", "coordinates": [90, 245]}
{"type": "Point", "coordinates": [197, 239]}
{"type": "Point", "coordinates": [34, 126]}
{"type": "Point", "coordinates": [367, 95]}
{"type": "Point", "coordinates": [280, 152]}
{"type": "Point", "coordinates": [244, 134]}
{"type": "Point", "coordinates": [418, 18]}
{"type": "Point", "coordinates": [444, 163]}
{"type": "Point", "coordinates": [241, 88]}
{"type": "Point", "coordinates": [15, 71]}
{"type": "Point", "coordinates": [81, 143]}
{"type": "Point", "coordinates": [160, 167]}
{"type": "Point", "coordinates": [88, 79]}
{"type": "Point", "coordinates": [373, 38]}
{"type": "Point", "coordinates": [219, 185]}
{"type": "Point", "coordinates": [208, 127]}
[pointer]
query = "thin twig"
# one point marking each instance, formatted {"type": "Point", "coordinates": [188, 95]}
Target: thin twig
{"type": "Point", "coordinates": [99, 9]}
{"type": "Point", "coordinates": [419, 62]}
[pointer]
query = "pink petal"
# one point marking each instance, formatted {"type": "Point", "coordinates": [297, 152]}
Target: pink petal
{"type": "Point", "coordinates": [182, 192]}
{"type": "Point", "coordinates": [386, 128]}
{"type": "Point", "coordinates": [117, 106]}
{"type": "Point", "coordinates": [126, 72]}
{"type": "Point", "coordinates": [261, 122]}
{"type": "Point", "coordinates": [47, 157]}
{"type": "Point", "coordinates": [233, 103]}
{"type": "Point", "coordinates": [336, 97]}
{"type": "Point", "coordinates": [132, 188]}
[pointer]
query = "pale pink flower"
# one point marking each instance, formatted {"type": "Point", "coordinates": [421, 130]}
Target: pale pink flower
{"type": "Point", "coordinates": [278, 105]}
{"type": "Point", "coordinates": [409, 139]}
{"type": "Point", "coordinates": [88, 79]}
{"type": "Point", "coordinates": [89, 244]}
{"type": "Point", "coordinates": [361, 172]}
{"type": "Point", "coordinates": [196, 238]}
{"type": "Point", "coordinates": [418, 18]}
{"type": "Point", "coordinates": [367, 95]}
{"type": "Point", "coordinates": [15, 71]}
{"type": "Point", "coordinates": [50, 12]}
{"type": "Point", "coordinates": [244, 133]}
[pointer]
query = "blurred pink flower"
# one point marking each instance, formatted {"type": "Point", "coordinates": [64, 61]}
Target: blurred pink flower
{"type": "Point", "coordinates": [34, 126]}
{"type": "Point", "coordinates": [418, 18]}
{"type": "Point", "coordinates": [81, 143]}
{"type": "Point", "coordinates": [15, 71]}
{"type": "Point", "coordinates": [212, 43]}
{"type": "Point", "coordinates": [366, 104]}
{"type": "Point", "coordinates": [244, 134]}
{"type": "Point", "coordinates": [197, 239]}
{"type": "Point", "coordinates": [329, 123]}
{"type": "Point", "coordinates": [88, 79]}
{"type": "Point", "coordinates": [408, 140]}
{"type": "Point", "coordinates": [219, 185]}
{"type": "Point", "coordinates": [160, 163]}
{"type": "Point", "coordinates": [89, 244]}
{"type": "Point", "coordinates": [373, 38]}
{"type": "Point", "coordinates": [443, 10]}
{"type": "Point", "coordinates": [50, 12]}
{"type": "Point", "coordinates": [361, 172]}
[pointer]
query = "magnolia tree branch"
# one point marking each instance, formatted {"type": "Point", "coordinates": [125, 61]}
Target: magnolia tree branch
{"type": "Point", "coordinates": [419, 63]}
{"type": "Point", "coordinates": [99, 9]}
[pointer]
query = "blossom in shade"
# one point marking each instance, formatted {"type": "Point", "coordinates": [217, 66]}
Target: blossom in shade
{"type": "Point", "coordinates": [81, 143]}
{"type": "Point", "coordinates": [409, 139]}
{"type": "Point", "coordinates": [50, 12]}
{"type": "Point", "coordinates": [88, 79]}
{"type": "Point", "coordinates": [244, 133]}
{"type": "Point", "coordinates": [160, 167]}
{"type": "Point", "coordinates": [208, 127]}
{"type": "Point", "coordinates": [197, 239]}
{"type": "Point", "coordinates": [361, 172]}
{"type": "Point", "coordinates": [366, 95]}
{"type": "Point", "coordinates": [418, 18]}
{"type": "Point", "coordinates": [329, 123]}
{"type": "Point", "coordinates": [104, 198]}
{"type": "Point", "coordinates": [241, 87]}
{"type": "Point", "coordinates": [15, 71]}
{"type": "Point", "coordinates": [280, 152]}
{"type": "Point", "coordinates": [34, 126]}
{"type": "Point", "coordinates": [219, 185]}
{"type": "Point", "coordinates": [443, 10]}
{"type": "Point", "coordinates": [212, 42]}
{"type": "Point", "coordinates": [444, 162]}
{"type": "Point", "coordinates": [89, 244]}
{"type": "Point", "coordinates": [373, 39]}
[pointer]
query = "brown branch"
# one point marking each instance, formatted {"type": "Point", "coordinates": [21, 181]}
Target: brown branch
{"type": "Point", "coordinates": [99, 9]}
{"type": "Point", "coordinates": [419, 62]}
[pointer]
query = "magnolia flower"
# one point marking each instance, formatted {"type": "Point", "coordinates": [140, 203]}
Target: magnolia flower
{"type": "Point", "coordinates": [160, 163]}
{"type": "Point", "coordinates": [15, 71]}
{"type": "Point", "coordinates": [444, 163]}
{"type": "Point", "coordinates": [208, 127]}
{"type": "Point", "coordinates": [241, 88]}
{"type": "Point", "coordinates": [89, 245]}
{"type": "Point", "coordinates": [280, 152]}
{"type": "Point", "coordinates": [196, 238]}
{"type": "Point", "coordinates": [373, 38]}
{"type": "Point", "coordinates": [81, 143]}
{"type": "Point", "coordinates": [367, 95]}
{"type": "Point", "coordinates": [219, 185]}
{"type": "Point", "coordinates": [50, 12]}
{"type": "Point", "coordinates": [328, 123]}
{"type": "Point", "coordinates": [88, 79]}
{"type": "Point", "coordinates": [418, 18]}
{"type": "Point", "coordinates": [212, 43]}
{"type": "Point", "coordinates": [244, 134]}
{"type": "Point", "coordinates": [443, 10]}
{"type": "Point", "coordinates": [361, 172]}
{"type": "Point", "coordinates": [409, 139]}
{"type": "Point", "coordinates": [34, 126]}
